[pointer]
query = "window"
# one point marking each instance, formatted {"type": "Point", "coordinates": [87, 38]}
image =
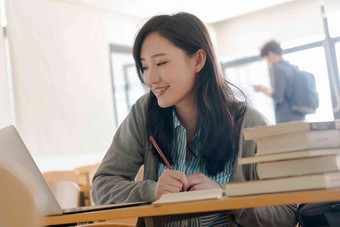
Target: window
{"type": "Point", "coordinates": [333, 23]}
{"type": "Point", "coordinates": [127, 88]}
{"type": "Point", "coordinates": [245, 77]}
{"type": "Point", "coordinates": [321, 57]}
{"type": "Point", "coordinates": [337, 50]}
{"type": "Point", "coordinates": [308, 58]}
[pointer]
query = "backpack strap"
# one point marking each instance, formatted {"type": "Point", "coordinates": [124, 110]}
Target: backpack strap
{"type": "Point", "coordinates": [333, 215]}
{"type": "Point", "coordinates": [319, 214]}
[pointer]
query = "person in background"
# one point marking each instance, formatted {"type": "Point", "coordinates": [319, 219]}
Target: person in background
{"type": "Point", "coordinates": [282, 75]}
{"type": "Point", "coordinates": [196, 120]}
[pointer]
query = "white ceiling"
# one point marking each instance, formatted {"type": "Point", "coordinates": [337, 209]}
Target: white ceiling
{"type": "Point", "coordinates": [209, 11]}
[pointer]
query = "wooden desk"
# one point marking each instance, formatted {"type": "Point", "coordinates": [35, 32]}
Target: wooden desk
{"type": "Point", "coordinates": [199, 206]}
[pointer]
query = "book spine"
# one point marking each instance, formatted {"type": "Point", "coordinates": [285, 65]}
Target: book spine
{"type": "Point", "coordinates": [314, 126]}
{"type": "Point", "coordinates": [326, 139]}
{"type": "Point", "coordinates": [287, 128]}
{"type": "Point", "coordinates": [281, 143]}
{"type": "Point", "coordinates": [299, 141]}
{"type": "Point", "coordinates": [296, 167]}
{"type": "Point", "coordinates": [332, 180]}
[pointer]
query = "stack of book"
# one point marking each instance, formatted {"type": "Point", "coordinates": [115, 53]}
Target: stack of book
{"type": "Point", "coordinates": [292, 156]}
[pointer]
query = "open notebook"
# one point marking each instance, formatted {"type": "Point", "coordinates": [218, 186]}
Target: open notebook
{"type": "Point", "coordinates": [189, 196]}
{"type": "Point", "coordinates": [13, 150]}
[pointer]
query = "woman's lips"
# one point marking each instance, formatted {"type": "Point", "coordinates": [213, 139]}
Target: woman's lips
{"type": "Point", "coordinates": [160, 91]}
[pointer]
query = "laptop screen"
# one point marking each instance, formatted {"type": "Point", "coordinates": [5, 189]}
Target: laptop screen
{"type": "Point", "coordinates": [13, 150]}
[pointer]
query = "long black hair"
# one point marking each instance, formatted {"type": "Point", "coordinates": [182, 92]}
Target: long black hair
{"type": "Point", "coordinates": [216, 103]}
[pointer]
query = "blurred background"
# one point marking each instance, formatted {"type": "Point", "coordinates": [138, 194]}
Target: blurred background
{"type": "Point", "coordinates": [67, 76]}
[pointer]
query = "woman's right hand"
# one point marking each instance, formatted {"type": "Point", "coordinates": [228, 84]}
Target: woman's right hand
{"type": "Point", "coordinates": [171, 181]}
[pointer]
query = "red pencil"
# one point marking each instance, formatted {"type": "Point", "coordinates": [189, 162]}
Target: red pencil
{"type": "Point", "coordinates": [160, 152]}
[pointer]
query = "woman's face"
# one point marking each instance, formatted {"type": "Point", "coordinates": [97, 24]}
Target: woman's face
{"type": "Point", "coordinates": [168, 71]}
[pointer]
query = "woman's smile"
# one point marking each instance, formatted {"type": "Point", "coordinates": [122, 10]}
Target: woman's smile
{"type": "Point", "coordinates": [158, 91]}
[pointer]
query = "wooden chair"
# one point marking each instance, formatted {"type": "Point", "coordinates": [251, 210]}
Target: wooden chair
{"type": "Point", "coordinates": [17, 204]}
{"type": "Point", "coordinates": [84, 180]}
{"type": "Point", "coordinates": [140, 174]}
{"type": "Point", "coordinates": [66, 193]}
{"type": "Point", "coordinates": [64, 186]}
{"type": "Point", "coordinates": [53, 176]}
{"type": "Point", "coordinates": [127, 222]}
{"type": "Point", "coordinates": [85, 173]}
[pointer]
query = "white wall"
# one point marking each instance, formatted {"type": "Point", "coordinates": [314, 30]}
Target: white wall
{"type": "Point", "coordinates": [243, 35]}
{"type": "Point", "coordinates": [60, 66]}
{"type": "Point", "coordinates": [5, 110]}
{"type": "Point", "coordinates": [61, 79]}
{"type": "Point", "coordinates": [331, 5]}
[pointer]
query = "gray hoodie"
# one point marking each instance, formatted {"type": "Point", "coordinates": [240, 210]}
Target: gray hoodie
{"type": "Point", "coordinates": [130, 149]}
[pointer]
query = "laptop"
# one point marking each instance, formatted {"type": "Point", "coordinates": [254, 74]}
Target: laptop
{"type": "Point", "coordinates": [13, 150]}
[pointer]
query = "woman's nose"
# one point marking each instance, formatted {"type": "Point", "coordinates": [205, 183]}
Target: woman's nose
{"type": "Point", "coordinates": [151, 77]}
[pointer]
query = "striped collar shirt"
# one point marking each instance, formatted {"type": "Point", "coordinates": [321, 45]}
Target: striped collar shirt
{"type": "Point", "coordinates": [194, 165]}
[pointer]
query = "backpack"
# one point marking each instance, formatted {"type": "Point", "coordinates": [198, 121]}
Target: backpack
{"type": "Point", "coordinates": [304, 98]}
{"type": "Point", "coordinates": [319, 214]}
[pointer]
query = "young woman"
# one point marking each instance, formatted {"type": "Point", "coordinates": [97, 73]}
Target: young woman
{"type": "Point", "coordinates": [196, 120]}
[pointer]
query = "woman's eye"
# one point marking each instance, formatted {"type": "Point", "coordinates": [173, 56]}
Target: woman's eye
{"type": "Point", "coordinates": [161, 63]}
{"type": "Point", "coordinates": [144, 68]}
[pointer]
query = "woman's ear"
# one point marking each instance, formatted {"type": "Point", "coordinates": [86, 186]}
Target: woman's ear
{"type": "Point", "coordinates": [200, 57]}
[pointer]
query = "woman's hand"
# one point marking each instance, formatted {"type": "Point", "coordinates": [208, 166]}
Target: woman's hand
{"type": "Point", "coordinates": [171, 181]}
{"type": "Point", "coordinates": [199, 181]}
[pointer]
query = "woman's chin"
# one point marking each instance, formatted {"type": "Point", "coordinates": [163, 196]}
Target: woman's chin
{"type": "Point", "coordinates": [163, 104]}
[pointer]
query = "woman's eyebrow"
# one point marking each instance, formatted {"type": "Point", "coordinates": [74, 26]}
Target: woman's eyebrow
{"type": "Point", "coordinates": [155, 55]}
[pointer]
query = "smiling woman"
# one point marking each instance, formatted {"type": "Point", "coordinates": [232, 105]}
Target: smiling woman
{"type": "Point", "coordinates": [66, 104]}
{"type": "Point", "coordinates": [196, 120]}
